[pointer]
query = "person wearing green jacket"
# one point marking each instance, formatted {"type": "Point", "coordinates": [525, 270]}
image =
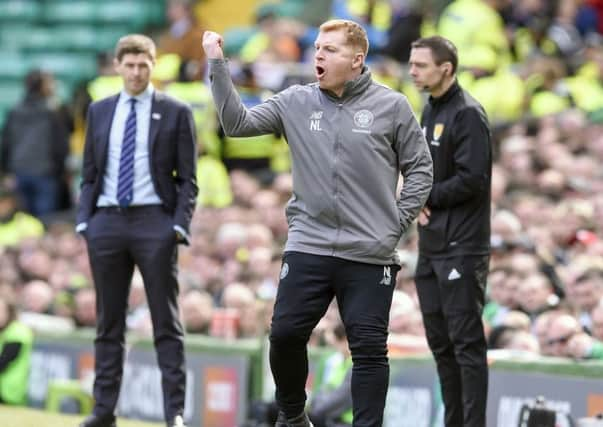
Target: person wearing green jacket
{"type": "Point", "coordinates": [16, 341]}
{"type": "Point", "coordinates": [331, 404]}
{"type": "Point", "coordinates": [471, 23]}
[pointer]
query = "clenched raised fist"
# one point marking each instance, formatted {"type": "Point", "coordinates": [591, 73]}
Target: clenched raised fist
{"type": "Point", "coordinates": [212, 45]}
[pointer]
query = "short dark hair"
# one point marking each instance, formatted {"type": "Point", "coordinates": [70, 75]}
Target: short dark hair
{"type": "Point", "coordinates": [35, 81]}
{"type": "Point", "coordinates": [442, 49]}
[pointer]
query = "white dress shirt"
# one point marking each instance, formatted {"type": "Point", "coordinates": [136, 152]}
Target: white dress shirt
{"type": "Point", "coordinates": [143, 189]}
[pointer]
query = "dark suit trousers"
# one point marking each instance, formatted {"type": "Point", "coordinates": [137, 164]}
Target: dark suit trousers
{"type": "Point", "coordinates": [118, 240]}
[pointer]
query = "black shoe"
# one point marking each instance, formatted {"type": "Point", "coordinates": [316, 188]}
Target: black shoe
{"type": "Point", "coordinates": [177, 421]}
{"type": "Point", "coordinates": [300, 421]}
{"type": "Point", "coordinates": [97, 421]}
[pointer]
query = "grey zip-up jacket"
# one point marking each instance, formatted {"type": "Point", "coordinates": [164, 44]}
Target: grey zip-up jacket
{"type": "Point", "coordinates": [347, 153]}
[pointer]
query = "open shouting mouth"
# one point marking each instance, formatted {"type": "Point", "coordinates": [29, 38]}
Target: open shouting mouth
{"type": "Point", "coordinates": [320, 72]}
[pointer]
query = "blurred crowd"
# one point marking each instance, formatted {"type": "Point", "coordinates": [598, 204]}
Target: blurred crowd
{"type": "Point", "coordinates": [536, 66]}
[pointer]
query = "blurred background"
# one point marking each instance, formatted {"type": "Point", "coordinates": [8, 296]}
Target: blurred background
{"type": "Point", "coordinates": [535, 65]}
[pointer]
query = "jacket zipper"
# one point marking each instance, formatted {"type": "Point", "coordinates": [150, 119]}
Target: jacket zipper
{"type": "Point", "coordinates": [336, 180]}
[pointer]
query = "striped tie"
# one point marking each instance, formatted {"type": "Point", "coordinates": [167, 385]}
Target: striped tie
{"type": "Point", "coordinates": [125, 180]}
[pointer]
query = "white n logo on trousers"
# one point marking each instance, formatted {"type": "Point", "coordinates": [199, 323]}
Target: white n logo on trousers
{"type": "Point", "coordinates": [387, 276]}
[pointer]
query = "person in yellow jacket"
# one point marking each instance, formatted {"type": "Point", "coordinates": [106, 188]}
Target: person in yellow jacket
{"type": "Point", "coordinates": [212, 177]}
{"type": "Point", "coordinates": [545, 93]}
{"type": "Point", "coordinates": [470, 23]}
{"type": "Point", "coordinates": [213, 183]}
{"type": "Point", "coordinates": [375, 15]}
{"type": "Point", "coordinates": [198, 96]}
{"type": "Point", "coordinates": [483, 79]}
{"type": "Point", "coordinates": [261, 155]}
{"type": "Point", "coordinates": [16, 226]}
{"type": "Point", "coordinates": [273, 40]}
{"type": "Point", "coordinates": [585, 86]}
{"type": "Point", "coordinates": [16, 342]}
{"type": "Point", "coordinates": [388, 72]}
{"type": "Point", "coordinates": [182, 37]}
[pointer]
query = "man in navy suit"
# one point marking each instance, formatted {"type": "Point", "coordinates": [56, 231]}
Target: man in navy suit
{"type": "Point", "coordinates": [137, 199]}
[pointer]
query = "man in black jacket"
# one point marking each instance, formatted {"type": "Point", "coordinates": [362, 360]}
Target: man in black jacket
{"type": "Point", "coordinates": [454, 232]}
{"type": "Point", "coordinates": [35, 145]}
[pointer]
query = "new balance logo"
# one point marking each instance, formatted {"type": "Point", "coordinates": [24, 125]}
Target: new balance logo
{"type": "Point", "coordinates": [454, 274]}
{"type": "Point", "coordinates": [387, 276]}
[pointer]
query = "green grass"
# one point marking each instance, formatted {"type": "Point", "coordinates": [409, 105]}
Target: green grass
{"type": "Point", "coordinates": [27, 417]}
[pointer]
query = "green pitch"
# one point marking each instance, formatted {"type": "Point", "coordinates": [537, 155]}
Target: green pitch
{"type": "Point", "coordinates": [27, 417]}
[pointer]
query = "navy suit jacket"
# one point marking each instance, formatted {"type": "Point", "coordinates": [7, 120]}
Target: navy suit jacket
{"type": "Point", "coordinates": [172, 156]}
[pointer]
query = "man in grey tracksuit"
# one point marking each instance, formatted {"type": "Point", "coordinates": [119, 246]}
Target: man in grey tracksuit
{"type": "Point", "coordinates": [349, 139]}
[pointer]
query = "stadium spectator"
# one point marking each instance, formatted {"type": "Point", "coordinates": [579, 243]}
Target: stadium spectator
{"type": "Point", "coordinates": [477, 24]}
{"type": "Point", "coordinates": [231, 238]}
{"type": "Point", "coordinates": [35, 146]}
{"type": "Point", "coordinates": [585, 346]}
{"type": "Point", "coordinates": [506, 229]}
{"type": "Point", "coordinates": [523, 341]}
{"type": "Point", "coordinates": [500, 181]}
{"type": "Point", "coordinates": [502, 288]}
{"type": "Point", "coordinates": [408, 18]}
{"type": "Point", "coordinates": [35, 262]}
{"type": "Point", "coordinates": [540, 329]}
{"type": "Point", "coordinates": [274, 43]}
{"type": "Point", "coordinates": [244, 187]}
{"type": "Point", "coordinates": [240, 299]}
{"type": "Point", "coordinates": [517, 320]}
{"type": "Point", "coordinates": [197, 310]}
{"type": "Point", "coordinates": [10, 274]}
{"type": "Point", "coordinates": [535, 294]}
{"type": "Point", "coordinates": [516, 157]}
{"type": "Point", "coordinates": [585, 290]}
{"type": "Point", "coordinates": [375, 16]}
{"type": "Point", "coordinates": [37, 296]}
{"type": "Point", "coordinates": [182, 38]}
{"type": "Point", "coordinates": [16, 342]}
{"type": "Point", "coordinates": [259, 235]}
{"type": "Point", "coordinates": [597, 321]}
{"type": "Point", "coordinates": [251, 154]}
{"type": "Point", "coordinates": [406, 331]}
{"type": "Point", "coordinates": [564, 33]}
{"type": "Point", "coordinates": [562, 329]}
{"type": "Point", "coordinates": [15, 225]}
{"type": "Point", "coordinates": [85, 308]}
